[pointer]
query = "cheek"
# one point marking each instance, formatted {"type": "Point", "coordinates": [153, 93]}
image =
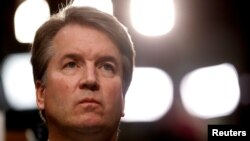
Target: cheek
{"type": "Point", "coordinates": [58, 85]}
{"type": "Point", "coordinates": [113, 96]}
{"type": "Point", "coordinates": [58, 99]}
{"type": "Point", "coordinates": [59, 88]}
{"type": "Point", "coordinates": [58, 82]}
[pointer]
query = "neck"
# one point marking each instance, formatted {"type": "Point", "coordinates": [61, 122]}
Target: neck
{"type": "Point", "coordinates": [70, 135]}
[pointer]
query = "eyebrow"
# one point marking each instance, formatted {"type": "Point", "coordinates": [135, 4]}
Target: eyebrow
{"type": "Point", "coordinates": [76, 56]}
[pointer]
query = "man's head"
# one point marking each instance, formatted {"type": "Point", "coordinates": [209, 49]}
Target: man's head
{"type": "Point", "coordinates": [42, 52]}
{"type": "Point", "coordinates": [82, 65]}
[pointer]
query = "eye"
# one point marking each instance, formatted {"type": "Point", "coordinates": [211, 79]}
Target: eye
{"type": "Point", "coordinates": [108, 67]}
{"type": "Point", "coordinates": [70, 65]}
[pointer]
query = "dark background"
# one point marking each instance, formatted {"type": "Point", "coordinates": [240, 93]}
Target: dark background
{"type": "Point", "coordinates": [205, 33]}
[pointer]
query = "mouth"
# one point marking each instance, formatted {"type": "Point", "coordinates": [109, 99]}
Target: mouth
{"type": "Point", "coordinates": [89, 101]}
{"type": "Point", "coordinates": [90, 105]}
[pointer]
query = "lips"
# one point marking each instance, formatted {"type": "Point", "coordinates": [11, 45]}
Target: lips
{"type": "Point", "coordinates": [90, 101]}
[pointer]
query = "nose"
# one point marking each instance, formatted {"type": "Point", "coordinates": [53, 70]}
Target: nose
{"type": "Point", "coordinates": [90, 79]}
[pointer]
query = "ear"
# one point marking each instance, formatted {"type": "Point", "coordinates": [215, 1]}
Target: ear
{"type": "Point", "coordinates": [40, 94]}
{"type": "Point", "coordinates": [123, 106]}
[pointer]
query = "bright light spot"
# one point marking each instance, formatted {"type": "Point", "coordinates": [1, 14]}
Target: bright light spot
{"type": "Point", "coordinates": [211, 92]}
{"type": "Point", "coordinates": [103, 5]}
{"type": "Point", "coordinates": [29, 16]}
{"type": "Point", "coordinates": [152, 17]}
{"type": "Point", "coordinates": [149, 97]}
{"type": "Point", "coordinates": [18, 83]}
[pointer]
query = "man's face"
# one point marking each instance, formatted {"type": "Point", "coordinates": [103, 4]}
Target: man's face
{"type": "Point", "coordinates": [83, 88]}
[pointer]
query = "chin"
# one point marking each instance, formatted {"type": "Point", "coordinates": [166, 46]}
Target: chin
{"type": "Point", "coordinates": [91, 120]}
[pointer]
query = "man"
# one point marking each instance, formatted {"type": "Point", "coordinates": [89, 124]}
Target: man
{"type": "Point", "coordinates": [82, 62]}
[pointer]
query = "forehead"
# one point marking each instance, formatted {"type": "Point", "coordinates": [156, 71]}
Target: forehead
{"type": "Point", "coordinates": [80, 39]}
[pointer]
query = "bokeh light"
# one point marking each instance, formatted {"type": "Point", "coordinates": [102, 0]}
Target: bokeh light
{"type": "Point", "coordinates": [18, 84]}
{"type": "Point", "coordinates": [28, 17]}
{"type": "Point", "coordinates": [149, 97]}
{"type": "Point", "coordinates": [211, 92]}
{"type": "Point", "coordinates": [152, 17]}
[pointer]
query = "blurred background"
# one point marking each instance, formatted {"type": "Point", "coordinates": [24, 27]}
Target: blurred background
{"type": "Point", "coordinates": [192, 67]}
